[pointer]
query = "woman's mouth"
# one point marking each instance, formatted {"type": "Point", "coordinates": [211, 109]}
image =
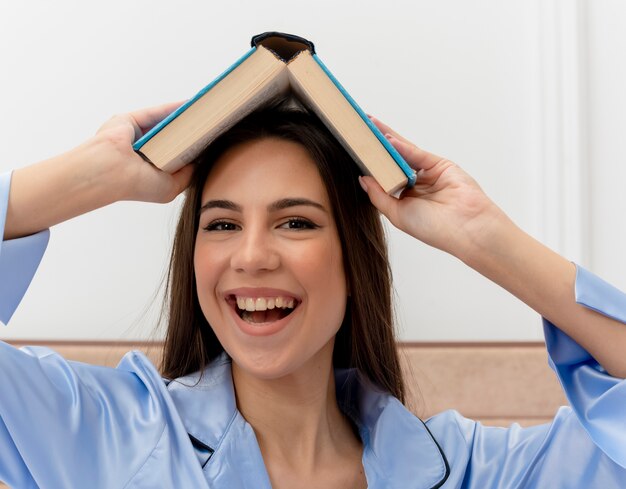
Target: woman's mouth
{"type": "Point", "coordinates": [262, 310]}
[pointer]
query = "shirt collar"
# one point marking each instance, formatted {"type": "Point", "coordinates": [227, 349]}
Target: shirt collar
{"type": "Point", "coordinates": [398, 448]}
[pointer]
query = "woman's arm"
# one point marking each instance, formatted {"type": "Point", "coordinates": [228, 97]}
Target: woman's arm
{"type": "Point", "coordinates": [103, 170]}
{"type": "Point", "coordinates": [447, 209]}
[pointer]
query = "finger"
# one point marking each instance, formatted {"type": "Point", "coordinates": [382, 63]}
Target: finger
{"type": "Point", "coordinates": [183, 177]}
{"type": "Point", "coordinates": [146, 119]}
{"type": "Point", "coordinates": [119, 121]}
{"type": "Point", "coordinates": [382, 201]}
{"type": "Point", "coordinates": [164, 188]}
{"type": "Point", "coordinates": [385, 129]}
{"type": "Point", "coordinates": [417, 158]}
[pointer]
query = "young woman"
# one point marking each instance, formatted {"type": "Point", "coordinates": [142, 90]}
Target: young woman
{"type": "Point", "coordinates": [280, 367]}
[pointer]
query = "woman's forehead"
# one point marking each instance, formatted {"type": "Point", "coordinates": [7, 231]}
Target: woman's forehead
{"type": "Point", "coordinates": [269, 167]}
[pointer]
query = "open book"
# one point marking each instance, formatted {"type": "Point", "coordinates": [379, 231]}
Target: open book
{"type": "Point", "coordinates": [277, 64]}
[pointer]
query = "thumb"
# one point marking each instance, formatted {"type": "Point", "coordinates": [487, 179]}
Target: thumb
{"type": "Point", "coordinates": [183, 177]}
{"type": "Point", "coordinates": [170, 185]}
{"type": "Point", "coordinates": [382, 201]}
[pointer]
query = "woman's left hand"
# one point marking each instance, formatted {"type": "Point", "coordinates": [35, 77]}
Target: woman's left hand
{"type": "Point", "coordinates": [446, 208]}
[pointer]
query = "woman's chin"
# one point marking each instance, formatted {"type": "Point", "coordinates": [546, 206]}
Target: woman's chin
{"type": "Point", "coordinates": [272, 365]}
{"type": "Point", "coordinates": [264, 365]}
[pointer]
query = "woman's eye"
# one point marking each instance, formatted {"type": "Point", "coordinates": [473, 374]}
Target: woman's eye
{"type": "Point", "coordinates": [220, 226]}
{"type": "Point", "coordinates": [299, 223]}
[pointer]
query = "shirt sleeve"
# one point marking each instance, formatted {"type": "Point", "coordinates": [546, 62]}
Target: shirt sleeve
{"type": "Point", "coordinates": [70, 424]}
{"type": "Point", "coordinates": [585, 444]}
{"type": "Point", "coordinates": [559, 455]}
{"type": "Point", "coordinates": [19, 258]}
{"type": "Point", "coordinates": [597, 399]}
{"type": "Point", "coordinates": [64, 424]}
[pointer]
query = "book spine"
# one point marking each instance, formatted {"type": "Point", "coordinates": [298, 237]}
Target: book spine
{"type": "Point", "coordinates": [152, 132]}
{"type": "Point", "coordinates": [404, 166]}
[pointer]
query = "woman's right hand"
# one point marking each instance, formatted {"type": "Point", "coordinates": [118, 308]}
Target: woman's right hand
{"type": "Point", "coordinates": [136, 179]}
{"type": "Point", "coordinates": [103, 170]}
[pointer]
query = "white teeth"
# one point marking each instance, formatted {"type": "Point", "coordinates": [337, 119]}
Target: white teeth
{"type": "Point", "coordinates": [263, 303]}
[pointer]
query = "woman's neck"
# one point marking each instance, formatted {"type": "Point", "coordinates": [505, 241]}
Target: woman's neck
{"type": "Point", "coordinates": [298, 424]}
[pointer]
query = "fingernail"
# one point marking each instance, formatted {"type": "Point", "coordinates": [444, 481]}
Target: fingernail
{"type": "Point", "coordinates": [362, 183]}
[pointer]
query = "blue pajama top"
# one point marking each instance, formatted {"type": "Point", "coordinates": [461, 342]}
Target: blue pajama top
{"type": "Point", "coordinates": [66, 424]}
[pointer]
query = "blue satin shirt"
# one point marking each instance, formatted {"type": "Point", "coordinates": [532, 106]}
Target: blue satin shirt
{"type": "Point", "coordinates": [66, 424]}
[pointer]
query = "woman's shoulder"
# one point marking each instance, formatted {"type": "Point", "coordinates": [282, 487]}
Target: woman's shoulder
{"type": "Point", "coordinates": [53, 407]}
{"type": "Point", "coordinates": [134, 385]}
{"type": "Point", "coordinates": [491, 456]}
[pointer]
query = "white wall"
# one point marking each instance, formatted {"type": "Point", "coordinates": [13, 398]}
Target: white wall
{"type": "Point", "coordinates": [606, 136]}
{"type": "Point", "coordinates": [526, 95]}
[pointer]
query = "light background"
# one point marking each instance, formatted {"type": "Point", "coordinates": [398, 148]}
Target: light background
{"type": "Point", "coordinates": [527, 95]}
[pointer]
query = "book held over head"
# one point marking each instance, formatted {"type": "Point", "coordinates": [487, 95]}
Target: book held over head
{"type": "Point", "coordinates": [277, 64]}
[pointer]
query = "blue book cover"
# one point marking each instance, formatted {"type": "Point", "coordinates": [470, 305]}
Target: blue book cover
{"type": "Point", "coordinates": [404, 166]}
{"type": "Point", "coordinates": [155, 130]}
{"type": "Point", "coordinates": [286, 48]}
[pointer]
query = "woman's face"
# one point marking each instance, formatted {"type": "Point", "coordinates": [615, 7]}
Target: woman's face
{"type": "Point", "coordinates": [268, 261]}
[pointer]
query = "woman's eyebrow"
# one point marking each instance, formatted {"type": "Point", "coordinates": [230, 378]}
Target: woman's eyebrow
{"type": "Point", "coordinates": [220, 204]}
{"type": "Point", "coordinates": [273, 207]}
{"type": "Point", "coordinates": [292, 202]}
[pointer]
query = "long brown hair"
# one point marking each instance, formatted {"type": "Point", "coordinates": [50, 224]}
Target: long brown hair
{"type": "Point", "coordinates": [366, 339]}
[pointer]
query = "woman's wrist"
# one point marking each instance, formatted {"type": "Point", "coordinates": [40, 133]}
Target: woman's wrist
{"type": "Point", "coordinates": [485, 238]}
{"type": "Point", "coordinates": [107, 173]}
{"type": "Point", "coordinates": [60, 188]}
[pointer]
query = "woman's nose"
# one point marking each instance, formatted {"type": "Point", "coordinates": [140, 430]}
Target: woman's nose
{"type": "Point", "coordinates": [254, 252]}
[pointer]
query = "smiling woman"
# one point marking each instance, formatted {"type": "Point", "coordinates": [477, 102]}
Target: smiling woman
{"type": "Point", "coordinates": [272, 205]}
{"type": "Point", "coordinates": [280, 365]}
